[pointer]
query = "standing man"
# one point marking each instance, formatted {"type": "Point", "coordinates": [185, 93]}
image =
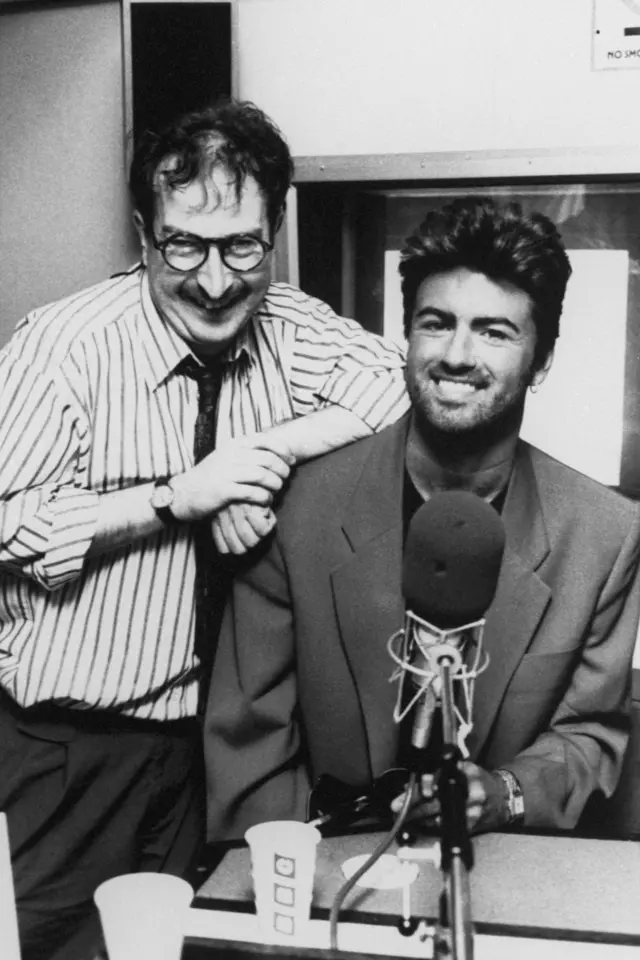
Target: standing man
{"type": "Point", "coordinates": [107, 400]}
{"type": "Point", "coordinates": [301, 687]}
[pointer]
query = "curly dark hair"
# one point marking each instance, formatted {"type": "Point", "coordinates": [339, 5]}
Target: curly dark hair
{"type": "Point", "coordinates": [233, 134]}
{"type": "Point", "coordinates": [500, 242]}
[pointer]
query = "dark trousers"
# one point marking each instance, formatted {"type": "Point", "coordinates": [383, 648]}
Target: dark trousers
{"type": "Point", "coordinates": [89, 796]}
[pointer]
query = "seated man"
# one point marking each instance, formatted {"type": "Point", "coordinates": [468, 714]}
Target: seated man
{"type": "Point", "coordinates": [301, 685]}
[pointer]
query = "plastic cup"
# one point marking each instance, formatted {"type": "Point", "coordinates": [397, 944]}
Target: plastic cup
{"type": "Point", "coordinates": [143, 915]}
{"type": "Point", "coordinates": [283, 862]}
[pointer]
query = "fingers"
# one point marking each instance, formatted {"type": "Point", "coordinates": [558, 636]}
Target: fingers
{"type": "Point", "coordinates": [429, 806]}
{"type": "Point", "coordinates": [240, 526]}
{"type": "Point", "coordinates": [232, 473]}
{"type": "Point", "coordinates": [256, 467]}
{"type": "Point", "coordinates": [423, 792]}
{"type": "Point", "coordinates": [478, 796]}
{"type": "Point", "coordinates": [247, 493]}
{"type": "Point", "coordinates": [428, 786]}
{"type": "Point", "coordinates": [274, 463]}
{"type": "Point", "coordinates": [261, 520]}
{"type": "Point", "coordinates": [252, 466]}
{"type": "Point", "coordinates": [426, 806]}
{"type": "Point", "coordinates": [271, 440]}
{"type": "Point", "coordinates": [228, 534]}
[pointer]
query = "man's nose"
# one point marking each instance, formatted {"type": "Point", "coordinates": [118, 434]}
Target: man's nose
{"type": "Point", "coordinates": [459, 350]}
{"type": "Point", "coordinates": [214, 276]}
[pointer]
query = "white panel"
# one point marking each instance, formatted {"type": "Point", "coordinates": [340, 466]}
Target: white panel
{"type": "Point", "coordinates": [402, 76]}
{"type": "Point", "coordinates": [392, 313]}
{"type": "Point", "coordinates": [576, 415]}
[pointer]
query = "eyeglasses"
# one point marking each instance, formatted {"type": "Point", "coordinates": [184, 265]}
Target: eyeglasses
{"type": "Point", "coordinates": [186, 252]}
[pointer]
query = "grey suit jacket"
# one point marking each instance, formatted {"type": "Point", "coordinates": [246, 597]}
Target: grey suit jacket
{"type": "Point", "coordinates": [301, 680]}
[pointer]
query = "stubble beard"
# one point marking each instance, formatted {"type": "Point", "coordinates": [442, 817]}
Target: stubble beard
{"type": "Point", "coordinates": [465, 435]}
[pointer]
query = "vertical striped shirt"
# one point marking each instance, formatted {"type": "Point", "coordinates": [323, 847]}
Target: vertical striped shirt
{"type": "Point", "coordinates": [92, 402]}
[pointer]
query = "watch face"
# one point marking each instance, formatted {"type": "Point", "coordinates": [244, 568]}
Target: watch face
{"type": "Point", "coordinates": [162, 497]}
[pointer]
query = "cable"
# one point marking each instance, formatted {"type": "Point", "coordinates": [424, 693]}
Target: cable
{"type": "Point", "coordinates": [382, 847]}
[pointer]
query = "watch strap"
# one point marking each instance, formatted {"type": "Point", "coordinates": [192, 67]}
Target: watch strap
{"type": "Point", "coordinates": [163, 512]}
{"type": "Point", "coordinates": [515, 797]}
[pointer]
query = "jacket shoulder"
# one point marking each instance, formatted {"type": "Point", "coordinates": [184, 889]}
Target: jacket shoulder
{"type": "Point", "coordinates": [572, 497]}
{"type": "Point", "coordinates": [328, 478]}
{"type": "Point", "coordinates": [324, 487]}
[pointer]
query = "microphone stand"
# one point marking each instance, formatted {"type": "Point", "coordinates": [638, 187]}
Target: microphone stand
{"type": "Point", "coordinates": [456, 849]}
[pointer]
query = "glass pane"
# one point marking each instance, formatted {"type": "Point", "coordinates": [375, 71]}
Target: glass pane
{"type": "Point", "coordinates": [588, 411]}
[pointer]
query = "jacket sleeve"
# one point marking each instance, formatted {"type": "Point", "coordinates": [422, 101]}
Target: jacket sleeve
{"type": "Point", "coordinates": [583, 747]}
{"type": "Point", "coordinates": [252, 740]}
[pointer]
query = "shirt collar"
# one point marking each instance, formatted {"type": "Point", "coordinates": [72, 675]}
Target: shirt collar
{"type": "Point", "coordinates": [245, 346]}
{"type": "Point", "coordinates": [166, 350]}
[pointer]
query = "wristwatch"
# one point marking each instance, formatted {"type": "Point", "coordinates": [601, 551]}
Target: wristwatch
{"type": "Point", "coordinates": [515, 798]}
{"type": "Point", "coordinates": [161, 499]}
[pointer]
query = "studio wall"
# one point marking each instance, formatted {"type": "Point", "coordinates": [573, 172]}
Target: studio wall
{"type": "Point", "coordinates": [64, 220]}
{"type": "Point", "coordinates": [339, 76]}
{"type": "Point", "coordinates": [396, 76]}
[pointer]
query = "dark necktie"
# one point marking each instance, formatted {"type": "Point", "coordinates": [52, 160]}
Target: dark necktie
{"type": "Point", "coordinates": [212, 579]}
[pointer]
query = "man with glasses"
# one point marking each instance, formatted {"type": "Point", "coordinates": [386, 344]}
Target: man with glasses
{"type": "Point", "coordinates": [111, 497]}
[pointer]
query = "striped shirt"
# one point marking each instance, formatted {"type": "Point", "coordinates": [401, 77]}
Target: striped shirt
{"type": "Point", "coordinates": [91, 403]}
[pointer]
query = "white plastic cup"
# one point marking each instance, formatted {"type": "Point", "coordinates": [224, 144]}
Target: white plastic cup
{"type": "Point", "coordinates": [143, 915]}
{"type": "Point", "coordinates": [283, 862]}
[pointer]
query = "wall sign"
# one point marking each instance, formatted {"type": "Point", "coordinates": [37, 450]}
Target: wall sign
{"type": "Point", "coordinates": [616, 34]}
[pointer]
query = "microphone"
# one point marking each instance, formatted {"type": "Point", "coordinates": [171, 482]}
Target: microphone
{"type": "Point", "coordinates": [450, 571]}
{"type": "Point", "coordinates": [451, 565]}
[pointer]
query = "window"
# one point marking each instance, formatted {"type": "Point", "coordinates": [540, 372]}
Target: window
{"type": "Point", "coordinates": [350, 233]}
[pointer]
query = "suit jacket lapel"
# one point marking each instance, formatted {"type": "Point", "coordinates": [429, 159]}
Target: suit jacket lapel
{"type": "Point", "coordinates": [521, 597]}
{"type": "Point", "coordinates": [367, 591]}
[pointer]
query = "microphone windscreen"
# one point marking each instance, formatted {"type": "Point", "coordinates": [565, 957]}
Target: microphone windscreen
{"type": "Point", "coordinates": [452, 559]}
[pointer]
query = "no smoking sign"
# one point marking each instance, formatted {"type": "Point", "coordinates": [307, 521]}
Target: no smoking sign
{"type": "Point", "coordinates": [616, 34]}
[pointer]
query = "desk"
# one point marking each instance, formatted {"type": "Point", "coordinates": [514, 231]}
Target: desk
{"type": "Point", "coordinates": [556, 898]}
{"type": "Point", "coordinates": [583, 895]}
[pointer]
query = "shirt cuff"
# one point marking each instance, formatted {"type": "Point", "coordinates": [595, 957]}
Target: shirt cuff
{"type": "Point", "coordinates": [70, 518]}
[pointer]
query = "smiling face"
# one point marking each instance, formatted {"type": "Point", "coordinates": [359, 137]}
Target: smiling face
{"type": "Point", "coordinates": [471, 353]}
{"type": "Point", "coordinates": [207, 306]}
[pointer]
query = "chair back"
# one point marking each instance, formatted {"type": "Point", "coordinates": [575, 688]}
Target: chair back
{"type": "Point", "coordinates": [8, 914]}
{"type": "Point", "coordinates": [619, 817]}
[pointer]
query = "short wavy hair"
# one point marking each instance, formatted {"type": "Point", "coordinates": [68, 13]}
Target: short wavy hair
{"type": "Point", "coordinates": [233, 134]}
{"type": "Point", "coordinates": [499, 241]}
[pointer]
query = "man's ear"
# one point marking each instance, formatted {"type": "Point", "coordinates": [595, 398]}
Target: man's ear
{"type": "Point", "coordinates": [540, 374]}
{"type": "Point", "coordinates": [138, 223]}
